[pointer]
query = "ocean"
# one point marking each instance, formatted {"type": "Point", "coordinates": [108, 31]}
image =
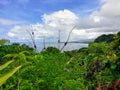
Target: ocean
{"type": "Point", "coordinates": [68, 47]}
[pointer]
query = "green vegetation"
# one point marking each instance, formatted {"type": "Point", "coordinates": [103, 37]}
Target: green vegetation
{"type": "Point", "coordinates": [96, 67]}
{"type": "Point", "coordinates": [8, 75]}
{"type": "Point", "coordinates": [105, 38]}
{"type": "Point", "coordinates": [4, 41]}
{"type": "Point", "coordinates": [5, 65]}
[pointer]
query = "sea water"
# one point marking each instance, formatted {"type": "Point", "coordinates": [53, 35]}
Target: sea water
{"type": "Point", "coordinates": [68, 47]}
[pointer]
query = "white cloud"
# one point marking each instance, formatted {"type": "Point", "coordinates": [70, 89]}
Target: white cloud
{"type": "Point", "coordinates": [10, 22]}
{"type": "Point", "coordinates": [62, 20]}
{"type": "Point", "coordinates": [111, 8]}
{"type": "Point", "coordinates": [19, 32]}
{"type": "Point", "coordinates": [103, 21]}
{"type": "Point", "coordinates": [64, 17]}
{"type": "Point", "coordinates": [108, 16]}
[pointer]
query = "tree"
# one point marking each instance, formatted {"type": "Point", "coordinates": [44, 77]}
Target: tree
{"type": "Point", "coordinates": [105, 38]}
{"type": "Point", "coordinates": [4, 41]}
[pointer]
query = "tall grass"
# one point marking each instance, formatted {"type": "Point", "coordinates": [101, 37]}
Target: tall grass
{"type": "Point", "coordinates": [68, 38]}
{"type": "Point", "coordinates": [32, 36]}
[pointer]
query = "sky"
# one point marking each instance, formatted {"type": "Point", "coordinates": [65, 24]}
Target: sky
{"type": "Point", "coordinates": [46, 18]}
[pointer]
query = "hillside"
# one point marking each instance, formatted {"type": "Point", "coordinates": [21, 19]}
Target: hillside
{"type": "Point", "coordinates": [105, 38]}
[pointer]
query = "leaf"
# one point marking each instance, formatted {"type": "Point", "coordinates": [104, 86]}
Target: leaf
{"type": "Point", "coordinates": [40, 81]}
{"type": "Point", "coordinates": [6, 64]}
{"type": "Point", "coordinates": [8, 75]}
{"type": "Point", "coordinates": [113, 66]}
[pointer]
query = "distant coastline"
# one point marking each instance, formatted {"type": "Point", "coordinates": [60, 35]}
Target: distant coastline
{"type": "Point", "coordinates": [78, 42]}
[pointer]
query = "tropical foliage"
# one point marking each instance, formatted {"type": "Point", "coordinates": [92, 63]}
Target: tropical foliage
{"type": "Point", "coordinates": [96, 67]}
{"type": "Point", "coordinates": [8, 75]}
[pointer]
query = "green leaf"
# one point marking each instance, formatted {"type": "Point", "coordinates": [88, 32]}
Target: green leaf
{"type": "Point", "coordinates": [8, 75]}
{"type": "Point", "coordinates": [113, 66]}
{"type": "Point", "coordinates": [6, 64]}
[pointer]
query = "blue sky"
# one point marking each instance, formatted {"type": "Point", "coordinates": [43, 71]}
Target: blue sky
{"type": "Point", "coordinates": [32, 10]}
{"type": "Point", "coordinates": [22, 13]}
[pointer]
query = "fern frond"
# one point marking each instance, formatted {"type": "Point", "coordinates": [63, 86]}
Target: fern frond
{"type": "Point", "coordinates": [8, 75]}
{"type": "Point", "coordinates": [6, 64]}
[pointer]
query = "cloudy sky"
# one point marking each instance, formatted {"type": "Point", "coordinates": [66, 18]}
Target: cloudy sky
{"type": "Point", "coordinates": [47, 17]}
